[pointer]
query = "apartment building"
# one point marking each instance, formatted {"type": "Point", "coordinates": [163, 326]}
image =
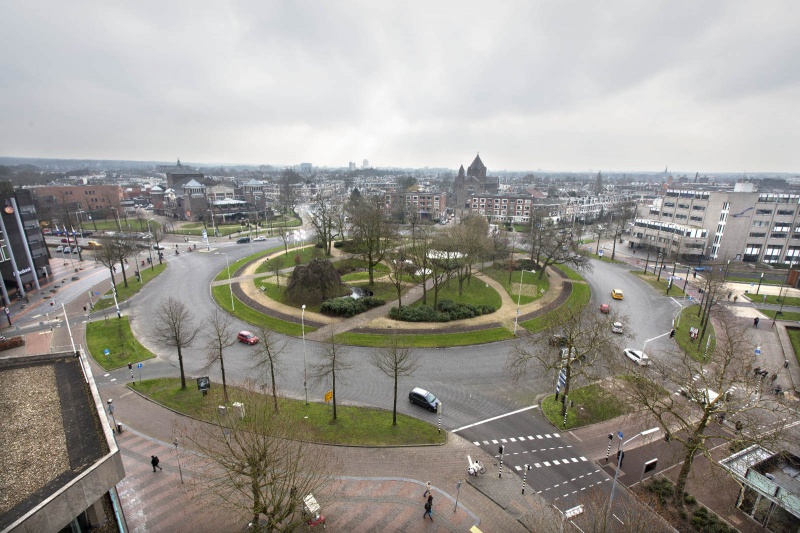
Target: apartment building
{"type": "Point", "coordinates": [740, 225]}
{"type": "Point", "coordinates": [427, 205]}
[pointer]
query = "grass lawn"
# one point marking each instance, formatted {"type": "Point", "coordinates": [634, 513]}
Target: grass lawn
{"type": "Point", "coordinates": [592, 404]}
{"type": "Point", "coordinates": [607, 259]}
{"type": "Point", "coordinates": [288, 261]}
{"type": "Point", "coordinates": [579, 296]}
{"type": "Point", "coordinates": [433, 340]}
{"type": "Point", "coordinates": [661, 285]}
{"type": "Point", "coordinates": [571, 274]}
{"type": "Point", "coordinates": [222, 296]}
{"type": "Point", "coordinates": [532, 287]}
{"type": "Point", "coordinates": [123, 293]}
{"type": "Point", "coordinates": [476, 293]}
{"type": "Point", "coordinates": [791, 301]}
{"type": "Point", "coordinates": [353, 425]}
{"type": "Point", "coordinates": [115, 335]}
{"type": "Point", "coordinates": [243, 261]}
{"type": "Point", "coordinates": [755, 281]}
{"type": "Point", "coordinates": [688, 320]}
{"type": "Point", "coordinates": [794, 337]}
{"type": "Point", "coordinates": [785, 315]}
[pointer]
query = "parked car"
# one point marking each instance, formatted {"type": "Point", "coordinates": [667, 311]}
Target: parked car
{"type": "Point", "coordinates": [703, 269]}
{"type": "Point", "coordinates": [558, 340]}
{"type": "Point", "coordinates": [701, 396]}
{"type": "Point", "coordinates": [605, 308]}
{"type": "Point", "coordinates": [260, 238]}
{"type": "Point", "coordinates": [76, 249]}
{"type": "Point", "coordinates": [243, 240]}
{"type": "Point", "coordinates": [247, 338]}
{"type": "Point", "coordinates": [158, 247]}
{"type": "Point", "coordinates": [67, 250]}
{"type": "Point", "coordinates": [616, 327]}
{"type": "Point", "coordinates": [423, 398]}
{"type": "Point", "coordinates": [617, 294]}
{"type": "Point", "coordinates": [637, 356]}
{"type": "Point", "coordinates": [60, 248]}
{"type": "Point", "coordinates": [93, 245]}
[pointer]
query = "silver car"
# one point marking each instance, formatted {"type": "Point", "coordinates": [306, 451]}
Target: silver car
{"type": "Point", "coordinates": [637, 356]}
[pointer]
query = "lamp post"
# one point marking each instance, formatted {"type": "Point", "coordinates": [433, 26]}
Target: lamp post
{"type": "Point", "coordinates": [727, 266]}
{"type": "Point", "coordinates": [760, 279]}
{"type": "Point", "coordinates": [663, 257]}
{"type": "Point", "coordinates": [111, 412]}
{"type": "Point", "coordinates": [178, 452]}
{"type": "Point", "coordinates": [303, 326]}
{"type": "Point", "coordinates": [688, 270]}
{"type": "Point", "coordinates": [619, 462]}
{"type": "Point", "coordinates": [149, 245]}
{"type": "Point", "coordinates": [519, 296]}
{"type": "Point", "coordinates": [230, 284]}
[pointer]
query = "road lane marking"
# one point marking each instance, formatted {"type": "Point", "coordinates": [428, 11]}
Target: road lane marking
{"type": "Point", "coordinates": [555, 462]}
{"type": "Point", "coordinates": [494, 442]}
{"type": "Point", "coordinates": [574, 460]}
{"type": "Point", "coordinates": [537, 465]}
{"type": "Point", "coordinates": [512, 439]}
{"type": "Point", "coordinates": [495, 418]}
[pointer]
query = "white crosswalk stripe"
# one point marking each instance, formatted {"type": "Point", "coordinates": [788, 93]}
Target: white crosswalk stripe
{"type": "Point", "coordinates": [517, 467]}
{"type": "Point", "coordinates": [537, 465]}
{"type": "Point", "coordinates": [494, 441]}
{"type": "Point", "coordinates": [574, 460]}
{"type": "Point", "coordinates": [531, 437]}
{"type": "Point", "coordinates": [476, 443]}
{"type": "Point", "coordinates": [555, 462]}
{"type": "Point", "coordinates": [546, 463]}
{"type": "Point", "coordinates": [512, 439]}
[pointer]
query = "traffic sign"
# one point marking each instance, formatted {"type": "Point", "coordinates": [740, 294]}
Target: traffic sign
{"type": "Point", "coordinates": [139, 365]}
{"type": "Point", "coordinates": [329, 396]}
{"type": "Point", "coordinates": [619, 434]}
{"type": "Point", "coordinates": [758, 350]}
{"type": "Point", "coordinates": [106, 351]}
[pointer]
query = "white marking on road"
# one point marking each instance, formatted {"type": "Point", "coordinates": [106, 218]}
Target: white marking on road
{"type": "Point", "coordinates": [539, 437]}
{"type": "Point", "coordinates": [556, 435]}
{"type": "Point", "coordinates": [546, 463]}
{"type": "Point", "coordinates": [476, 443]}
{"type": "Point", "coordinates": [486, 442]}
{"type": "Point", "coordinates": [517, 467]}
{"type": "Point", "coordinates": [537, 465]}
{"type": "Point", "coordinates": [113, 379]}
{"type": "Point", "coordinates": [530, 437]}
{"type": "Point", "coordinates": [574, 460]}
{"type": "Point", "coordinates": [495, 418]}
{"type": "Point", "coordinates": [503, 441]}
{"type": "Point", "coordinates": [520, 438]}
{"type": "Point", "coordinates": [573, 479]}
{"type": "Point", "coordinates": [494, 442]}
{"type": "Point", "coordinates": [512, 439]}
{"type": "Point", "coordinates": [583, 458]}
{"type": "Point", "coordinates": [555, 462]}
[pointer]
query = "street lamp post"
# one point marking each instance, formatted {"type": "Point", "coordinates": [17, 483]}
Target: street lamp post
{"type": "Point", "coordinates": [760, 279]}
{"type": "Point", "coordinates": [727, 266]}
{"type": "Point", "coordinates": [619, 462]}
{"type": "Point", "coordinates": [303, 328]}
{"type": "Point", "coordinates": [519, 296]}
{"type": "Point", "coordinates": [230, 283]}
{"type": "Point", "coordinates": [688, 270]}
{"type": "Point", "coordinates": [149, 244]}
{"type": "Point", "coordinates": [111, 412]}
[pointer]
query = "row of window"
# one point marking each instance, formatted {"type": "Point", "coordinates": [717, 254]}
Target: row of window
{"type": "Point", "coordinates": [685, 206]}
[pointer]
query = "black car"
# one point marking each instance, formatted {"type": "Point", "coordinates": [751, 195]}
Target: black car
{"type": "Point", "coordinates": [243, 240]}
{"type": "Point", "coordinates": [423, 398]}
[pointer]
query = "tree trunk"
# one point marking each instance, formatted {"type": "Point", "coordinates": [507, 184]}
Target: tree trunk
{"type": "Point", "coordinates": [683, 476]}
{"type": "Point", "coordinates": [333, 392]}
{"type": "Point", "coordinates": [180, 364]}
{"type": "Point", "coordinates": [224, 383]}
{"type": "Point", "coordinates": [394, 406]}
{"type": "Point", "coordinates": [274, 389]}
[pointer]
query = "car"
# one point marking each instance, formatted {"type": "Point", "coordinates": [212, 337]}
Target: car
{"type": "Point", "coordinates": [158, 247]}
{"type": "Point", "coordinates": [637, 356]}
{"type": "Point", "coordinates": [64, 240]}
{"type": "Point", "coordinates": [247, 338]}
{"type": "Point", "coordinates": [47, 231]}
{"type": "Point", "coordinates": [67, 250]}
{"type": "Point", "coordinates": [616, 327]}
{"type": "Point", "coordinates": [260, 238]}
{"type": "Point", "coordinates": [60, 248]}
{"type": "Point", "coordinates": [243, 240]}
{"type": "Point", "coordinates": [605, 308]}
{"type": "Point", "coordinates": [703, 269]}
{"type": "Point", "coordinates": [423, 398]}
{"type": "Point", "coordinates": [701, 396]}
{"type": "Point", "coordinates": [87, 233]}
{"type": "Point", "coordinates": [93, 245]}
{"type": "Point", "coordinates": [76, 249]}
{"type": "Point", "coordinates": [617, 294]}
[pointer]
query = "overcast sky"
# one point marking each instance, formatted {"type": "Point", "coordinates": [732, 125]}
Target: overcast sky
{"type": "Point", "coordinates": [699, 86]}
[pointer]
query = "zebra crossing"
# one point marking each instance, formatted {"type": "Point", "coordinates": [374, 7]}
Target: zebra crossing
{"type": "Point", "coordinates": [555, 462]}
{"type": "Point", "coordinates": [518, 439]}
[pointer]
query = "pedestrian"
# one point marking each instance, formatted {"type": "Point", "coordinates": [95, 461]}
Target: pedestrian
{"type": "Point", "coordinates": [735, 298]}
{"type": "Point", "coordinates": [154, 461]}
{"type": "Point", "coordinates": [8, 315]}
{"type": "Point", "coordinates": [755, 322]}
{"type": "Point", "coordinates": [429, 508]}
{"type": "Point", "coordinates": [730, 294]}
{"type": "Point", "coordinates": [765, 299]}
{"type": "Point", "coordinates": [427, 489]}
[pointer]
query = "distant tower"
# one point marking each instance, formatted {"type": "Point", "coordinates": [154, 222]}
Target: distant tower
{"type": "Point", "coordinates": [179, 163]}
{"type": "Point", "coordinates": [365, 164]}
{"type": "Point", "coordinates": [352, 166]}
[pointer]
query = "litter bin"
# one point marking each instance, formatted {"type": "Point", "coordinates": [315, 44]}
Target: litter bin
{"type": "Point", "coordinates": [119, 428]}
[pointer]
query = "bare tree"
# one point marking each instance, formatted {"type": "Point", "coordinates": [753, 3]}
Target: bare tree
{"type": "Point", "coordinates": [267, 360]}
{"type": "Point", "coordinates": [285, 236]}
{"type": "Point", "coordinates": [219, 336]}
{"type": "Point", "coordinates": [585, 345]}
{"type": "Point", "coordinates": [624, 213]}
{"type": "Point", "coordinates": [724, 388]}
{"type": "Point", "coordinates": [419, 253]}
{"type": "Point", "coordinates": [401, 271]}
{"type": "Point", "coordinates": [551, 244]}
{"type": "Point", "coordinates": [287, 193]}
{"type": "Point", "coordinates": [471, 238]}
{"type": "Point", "coordinates": [370, 235]}
{"type": "Point", "coordinates": [333, 362]}
{"type": "Point", "coordinates": [324, 217]}
{"type": "Point", "coordinates": [276, 265]}
{"type": "Point", "coordinates": [261, 464]}
{"type": "Point", "coordinates": [396, 360]}
{"type": "Point", "coordinates": [175, 328]}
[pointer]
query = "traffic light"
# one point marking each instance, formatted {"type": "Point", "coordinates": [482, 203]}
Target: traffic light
{"type": "Point", "coordinates": [500, 449]}
{"type": "Point", "coordinates": [610, 436]}
{"type": "Point", "coordinates": [671, 333]}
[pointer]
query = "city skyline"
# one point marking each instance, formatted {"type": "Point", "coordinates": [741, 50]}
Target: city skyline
{"type": "Point", "coordinates": [581, 87]}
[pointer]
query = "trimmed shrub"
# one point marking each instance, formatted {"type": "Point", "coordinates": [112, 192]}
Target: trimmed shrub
{"type": "Point", "coordinates": [347, 306]}
{"type": "Point", "coordinates": [13, 342]}
{"type": "Point", "coordinates": [447, 310]}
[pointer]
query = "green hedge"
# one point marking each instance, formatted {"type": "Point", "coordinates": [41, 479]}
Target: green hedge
{"type": "Point", "coordinates": [446, 311]}
{"type": "Point", "coordinates": [347, 306]}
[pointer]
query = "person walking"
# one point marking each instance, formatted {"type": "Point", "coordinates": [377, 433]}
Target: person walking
{"type": "Point", "coordinates": [427, 489]}
{"type": "Point", "coordinates": [429, 508]}
{"type": "Point", "coordinates": [755, 322]}
{"type": "Point", "coordinates": [154, 461]}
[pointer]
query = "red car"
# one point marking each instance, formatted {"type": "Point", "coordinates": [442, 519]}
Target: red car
{"type": "Point", "coordinates": [605, 308]}
{"type": "Point", "coordinates": [247, 338]}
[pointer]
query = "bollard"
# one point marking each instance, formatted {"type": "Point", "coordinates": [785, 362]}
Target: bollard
{"type": "Point", "coordinates": [608, 450]}
{"type": "Point", "coordinates": [500, 451]}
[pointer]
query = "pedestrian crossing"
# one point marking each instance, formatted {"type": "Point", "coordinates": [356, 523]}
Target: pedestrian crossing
{"type": "Point", "coordinates": [555, 462]}
{"type": "Point", "coordinates": [518, 439]}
